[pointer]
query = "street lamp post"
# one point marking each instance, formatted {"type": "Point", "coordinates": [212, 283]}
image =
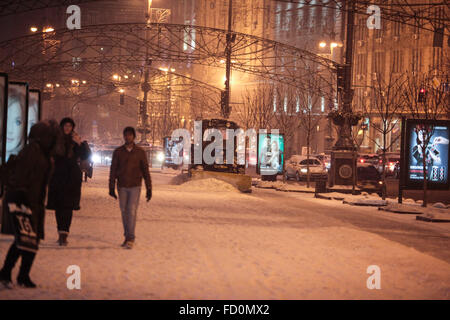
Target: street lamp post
{"type": "Point", "coordinates": [343, 155]}
{"type": "Point", "coordinates": [345, 141]}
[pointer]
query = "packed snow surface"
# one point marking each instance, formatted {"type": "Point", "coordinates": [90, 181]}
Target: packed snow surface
{"type": "Point", "coordinates": [205, 240]}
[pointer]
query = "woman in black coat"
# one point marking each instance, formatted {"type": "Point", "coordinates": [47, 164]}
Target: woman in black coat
{"type": "Point", "coordinates": [64, 191]}
{"type": "Point", "coordinates": [25, 178]}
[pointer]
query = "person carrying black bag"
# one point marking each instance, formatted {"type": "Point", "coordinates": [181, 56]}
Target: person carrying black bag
{"type": "Point", "coordinates": [25, 178]}
{"type": "Point", "coordinates": [64, 191]}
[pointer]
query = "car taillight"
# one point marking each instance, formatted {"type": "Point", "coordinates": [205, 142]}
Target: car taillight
{"type": "Point", "coordinates": [361, 160]}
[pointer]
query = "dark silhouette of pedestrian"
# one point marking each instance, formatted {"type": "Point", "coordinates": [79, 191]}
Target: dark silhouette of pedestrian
{"type": "Point", "coordinates": [25, 177]}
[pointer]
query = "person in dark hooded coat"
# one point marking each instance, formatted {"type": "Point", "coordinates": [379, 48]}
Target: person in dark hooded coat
{"type": "Point", "coordinates": [64, 191]}
{"type": "Point", "coordinates": [25, 178]}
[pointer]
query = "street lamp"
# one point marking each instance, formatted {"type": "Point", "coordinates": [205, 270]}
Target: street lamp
{"type": "Point", "coordinates": [322, 44]}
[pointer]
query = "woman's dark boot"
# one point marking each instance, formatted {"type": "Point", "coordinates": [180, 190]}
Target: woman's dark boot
{"type": "Point", "coordinates": [10, 262]}
{"type": "Point", "coordinates": [63, 239]}
{"type": "Point", "coordinates": [23, 279]}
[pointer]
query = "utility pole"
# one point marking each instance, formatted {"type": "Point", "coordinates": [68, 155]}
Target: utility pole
{"type": "Point", "coordinates": [226, 104]}
{"type": "Point", "coordinates": [145, 86]}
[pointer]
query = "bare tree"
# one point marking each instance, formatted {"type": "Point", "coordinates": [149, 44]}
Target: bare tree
{"type": "Point", "coordinates": [286, 113]}
{"type": "Point", "coordinates": [309, 118]}
{"type": "Point", "coordinates": [256, 111]}
{"type": "Point", "coordinates": [425, 97]}
{"type": "Point", "coordinates": [386, 105]}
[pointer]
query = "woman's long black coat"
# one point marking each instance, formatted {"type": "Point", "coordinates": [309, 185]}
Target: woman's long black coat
{"type": "Point", "coordinates": [64, 189]}
{"type": "Point", "coordinates": [30, 174]}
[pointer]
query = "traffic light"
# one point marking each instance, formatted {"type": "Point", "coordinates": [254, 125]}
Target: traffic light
{"type": "Point", "coordinates": [422, 96]}
{"type": "Point", "coordinates": [340, 78]}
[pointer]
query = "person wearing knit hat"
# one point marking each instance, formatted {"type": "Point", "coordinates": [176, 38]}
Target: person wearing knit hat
{"type": "Point", "coordinates": [64, 190]}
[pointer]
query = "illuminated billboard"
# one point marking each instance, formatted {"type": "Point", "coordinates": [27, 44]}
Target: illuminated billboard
{"type": "Point", "coordinates": [34, 108]}
{"type": "Point", "coordinates": [16, 124]}
{"type": "Point", "coordinates": [436, 135]}
{"type": "Point", "coordinates": [3, 109]}
{"type": "Point", "coordinates": [270, 154]}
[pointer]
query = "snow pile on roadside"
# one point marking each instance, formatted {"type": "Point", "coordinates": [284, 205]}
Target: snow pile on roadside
{"type": "Point", "coordinates": [415, 208]}
{"type": "Point", "coordinates": [210, 184]}
{"type": "Point", "coordinates": [365, 200]}
{"type": "Point", "coordinates": [179, 179]}
{"type": "Point", "coordinates": [294, 188]}
{"type": "Point", "coordinates": [269, 184]}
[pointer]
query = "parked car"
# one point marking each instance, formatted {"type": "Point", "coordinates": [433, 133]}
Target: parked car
{"type": "Point", "coordinates": [368, 178]}
{"type": "Point", "coordinates": [392, 160]}
{"type": "Point", "coordinates": [296, 167]}
{"type": "Point", "coordinates": [326, 159]}
{"type": "Point", "coordinates": [371, 158]}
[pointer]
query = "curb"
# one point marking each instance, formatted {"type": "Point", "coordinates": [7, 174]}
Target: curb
{"type": "Point", "coordinates": [399, 211]}
{"type": "Point", "coordinates": [300, 191]}
{"type": "Point", "coordinates": [427, 219]}
{"type": "Point", "coordinates": [362, 204]}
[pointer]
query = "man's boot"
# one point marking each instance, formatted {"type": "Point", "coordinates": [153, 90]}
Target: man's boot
{"type": "Point", "coordinates": [10, 262]}
{"type": "Point", "coordinates": [23, 279]}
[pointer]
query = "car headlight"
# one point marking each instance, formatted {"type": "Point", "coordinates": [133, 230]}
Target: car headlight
{"type": "Point", "coordinates": [303, 170]}
{"type": "Point", "coordinates": [160, 156]}
{"type": "Point", "coordinates": [380, 182]}
{"type": "Point", "coordinates": [96, 158]}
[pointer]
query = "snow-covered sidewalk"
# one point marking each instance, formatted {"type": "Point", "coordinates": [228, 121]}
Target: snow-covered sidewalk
{"type": "Point", "coordinates": [198, 242]}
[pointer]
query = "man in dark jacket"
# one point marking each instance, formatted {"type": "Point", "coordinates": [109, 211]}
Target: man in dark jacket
{"type": "Point", "coordinates": [25, 178]}
{"type": "Point", "coordinates": [64, 191]}
{"type": "Point", "coordinates": [129, 165]}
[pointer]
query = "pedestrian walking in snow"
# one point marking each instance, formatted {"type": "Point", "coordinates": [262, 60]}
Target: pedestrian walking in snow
{"type": "Point", "coordinates": [64, 190]}
{"type": "Point", "coordinates": [129, 165]}
{"type": "Point", "coordinates": [25, 177]}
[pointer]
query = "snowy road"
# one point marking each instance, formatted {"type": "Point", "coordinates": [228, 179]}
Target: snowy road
{"type": "Point", "coordinates": [197, 241]}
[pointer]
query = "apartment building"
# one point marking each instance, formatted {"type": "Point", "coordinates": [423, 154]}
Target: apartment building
{"type": "Point", "coordinates": [390, 51]}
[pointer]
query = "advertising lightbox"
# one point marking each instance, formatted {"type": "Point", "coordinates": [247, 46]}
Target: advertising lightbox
{"type": "Point", "coordinates": [436, 134]}
{"type": "Point", "coordinates": [270, 154]}
{"type": "Point", "coordinates": [16, 124]}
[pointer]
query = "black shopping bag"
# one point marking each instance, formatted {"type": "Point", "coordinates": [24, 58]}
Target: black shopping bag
{"type": "Point", "coordinates": [21, 218]}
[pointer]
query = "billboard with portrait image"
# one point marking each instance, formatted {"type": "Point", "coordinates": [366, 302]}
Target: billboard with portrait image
{"type": "Point", "coordinates": [3, 110]}
{"type": "Point", "coordinates": [173, 151]}
{"type": "Point", "coordinates": [270, 154]}
{"type": "Point", "coordinates": [16, 120]}
{"type": "Point", "coordinates": [436, 153]}
{"type": "Point", "coordinates": [34, 108]}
